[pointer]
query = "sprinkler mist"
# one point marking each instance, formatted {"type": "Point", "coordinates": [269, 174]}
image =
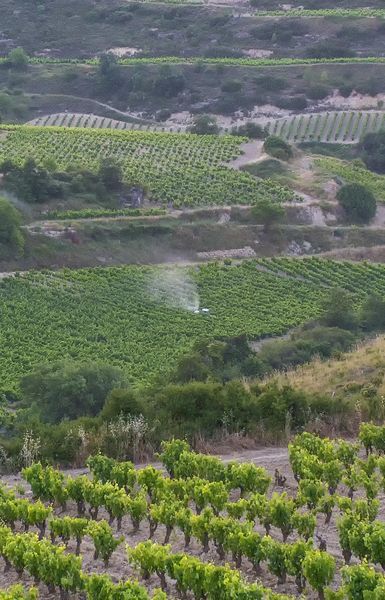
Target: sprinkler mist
{"type": "Point", "coordinates": [176, 288]}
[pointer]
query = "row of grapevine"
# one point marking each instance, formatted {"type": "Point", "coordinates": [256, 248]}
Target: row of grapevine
{"type": "Point", "coordinates": [98, 213]}
{"type": "Point", "coordinates": [341, 127]}
{"type": "Point", "coordinates": [320, 467]}
{"type": "Point", "coordinates": [84, 120]}
{"type": "Point", "coordinates": [352, 13]}
{"type": "Point", "coordinates": [226, 61]}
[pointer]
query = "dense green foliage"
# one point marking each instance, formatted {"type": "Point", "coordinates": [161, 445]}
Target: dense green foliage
{"type": "Point", "coordinates": [277, 148]}
{"type": "Point", "coordinates": [372, 148]}
{"type": "Point", "coordinates": [11, 237]}
{"type": "Point", "coordinates": [82, 389]}
{"type": "Point", "coordinates": [358, 202]}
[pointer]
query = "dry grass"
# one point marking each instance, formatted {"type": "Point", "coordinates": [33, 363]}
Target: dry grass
{"type": "Point", "coordinates": [346, 375]}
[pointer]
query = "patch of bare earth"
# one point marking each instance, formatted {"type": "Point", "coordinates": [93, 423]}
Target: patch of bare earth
{"type": "Point", "coordinates": [120, 569]}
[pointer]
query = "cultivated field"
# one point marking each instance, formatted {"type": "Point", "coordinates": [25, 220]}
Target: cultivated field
{"type": "Point", "coordinates": [181, 169]}
{"type": "Point", "coordinates": [263, 530]}
{"type": "Point", "coordinates": [341, 127]}
{"type": "Point", "coordinates": [142, 318]}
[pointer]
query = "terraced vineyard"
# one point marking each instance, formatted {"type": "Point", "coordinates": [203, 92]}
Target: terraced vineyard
{"type": "Point", "coordinates": [182, 169]}
{"type": "Point", "coordinates": [142, 318]}
{"type": "Point", "coordinates": [352, 173]}
{"type": "Point", "coordinates": [352, 13]}
{"type": "Point", "coordinates": [342, 127]}
{"type": "Point", "coordinates": [94, 121]}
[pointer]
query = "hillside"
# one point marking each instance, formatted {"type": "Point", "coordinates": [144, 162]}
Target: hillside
{"type": "Point", "coordinates": [348, 377]}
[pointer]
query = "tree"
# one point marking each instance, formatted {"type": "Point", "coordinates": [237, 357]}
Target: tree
{"type": "Point", "coordinates": [109, 72]}
{"type": "Point", "coordinates": [121, 402]}
{"type": "Point", "coordinates": [31, 182]}
{"type": "Point", "coordinates": [319, 568]}
{"type": "Point", "coordinates": [10, 232]}
{"type": "Point", "coordinates": [372, 151]}
{"type": "Point", "coordinates": [267, 213]}
{"type": "Point", "coordinates": [358, 202]}
{"type": "Point", "coordinates": [373, 313]}
{"type": "Point", "coordinates": [168, 84]}
{"type": "Point", "coordinates": [66, 390]}
{"type": "Point", "coordinates": [17, 59]}
{"type": "Point", "coordinates": [278, 148]}
{"type": "Point", "coordinates": [338, 310]}
{"type": "Point", "coordinates": [205, 125]}
{"type": "Point", "coordinates": [250, 130]}
{"type": "Point", "coordinates": [110, 174]}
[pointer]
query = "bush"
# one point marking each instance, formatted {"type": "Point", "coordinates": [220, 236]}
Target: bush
{"type": "Point", "coordinates": [250, 130]}
{"type": "Point", "coordinates": [267, 213]}
{"type": "Point", "coordinates": [330, 49]}
{"type": "Point", "coordinates": [372, 150]}
{"type": "Point", "coordinates": [17, 59]}
{"type": "Point", "coordinates": [65, 390]}
{"type": "Point", "coordinates": [292, 103]}
{"type": "Point", "coordinates": [270, 83]}
{"type": "Point", "coordinates": [280, 407]}
{"type": "Point", "coordinates": [303, 346]}
{"type": "Point", "coordinates": [121, 402]}
{"type": "Point", "coordinates": [10, 232]}
{"type": "Point", "coordinates": [338, 310]}
{"type": "Point", "coordinates": [278, 148]}
{"type": "Point", "coordinates": [318, 92]}
{"type": "Point", "coordinates": [358, 202]}
{"type": "Point", "coordinates": [372, 314]}
{"type": "Point", "coordinates": [204, 125]}
{"type": "Point", "coordinates": [231, 86]}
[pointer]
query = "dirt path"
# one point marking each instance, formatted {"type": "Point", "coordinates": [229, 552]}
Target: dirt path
{"type": "Point", "coordinates": [122, 113]}
{"type": "Point", "coordinates": [252, 153]}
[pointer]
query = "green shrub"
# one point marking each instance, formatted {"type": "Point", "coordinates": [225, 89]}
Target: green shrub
{"type": "Point", "coordinates": [278, 148]}
{"type": "Point", "coordinates": [358, 202]}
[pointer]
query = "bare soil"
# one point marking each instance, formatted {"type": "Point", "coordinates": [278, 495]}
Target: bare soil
{"type": "Point", "coordinates": [120, 569]}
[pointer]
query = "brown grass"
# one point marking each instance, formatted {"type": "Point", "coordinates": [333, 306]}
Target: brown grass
{"type": "Point", "coordinates": [351, 372]}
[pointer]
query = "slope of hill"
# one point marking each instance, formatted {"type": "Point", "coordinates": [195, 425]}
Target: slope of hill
{"type": "Point", "coordinates": [349, 376]}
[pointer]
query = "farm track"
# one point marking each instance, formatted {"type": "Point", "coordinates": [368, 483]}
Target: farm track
{"type": "Point", "coordinates": [108, 107]}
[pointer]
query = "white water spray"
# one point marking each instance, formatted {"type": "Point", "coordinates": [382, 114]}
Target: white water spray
{"type": "Point", "coordinates": [175, 288]}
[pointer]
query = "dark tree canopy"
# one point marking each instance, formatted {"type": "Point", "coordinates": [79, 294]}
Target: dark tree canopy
{"type": "Point", "coordinates": [10, 233]}
{"type": "Point", "coordinates": [278, 148]}
{"type": "Point", "coordinates": [205, 125]}
{"type": "Point", "coordinates": [372, 150]}
{"type": "Point", "coordinates": [338, 310]}
{"type": "Point", "coordinates": [358, 202]}
{"type": "Point", "coordinates": [66, 390]}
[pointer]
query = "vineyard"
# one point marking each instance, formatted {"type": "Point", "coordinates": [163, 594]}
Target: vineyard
{"type": "Point", "coordinates": [341, 127]}
{"type": "Point", "coordinates": [86, 120]}
{"type": "Point", "coordinates": [202, 60]}
{"type": "Point", "coordinates": [182, 169]}
{"type": "Point", "coordinates": [353, 173]}
{"type": "Point", "coordinates": [203, 528]}
{"type": "Point", "coordinates": [97, 213]}
{"type": "Point", "coordinates": [353, 13]}
{"type": "Point", "coordinates": [142, 318]}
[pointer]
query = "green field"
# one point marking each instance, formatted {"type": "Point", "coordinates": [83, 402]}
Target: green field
{"type": "Point", "coordinates": [142, 319]}
{"type": "Point", "coordinates": [182, 169]}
